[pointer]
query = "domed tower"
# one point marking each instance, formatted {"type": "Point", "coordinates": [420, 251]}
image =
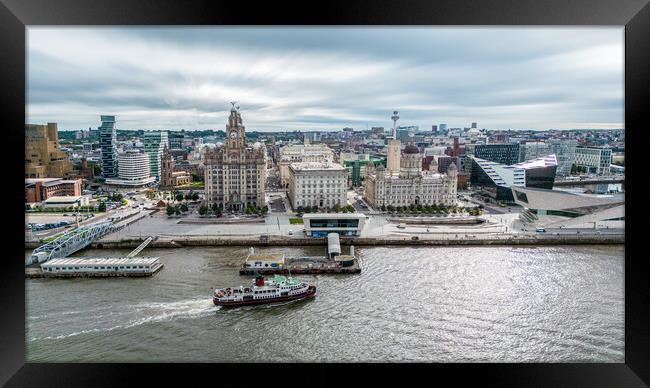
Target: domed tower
{"type": "Point", "coordinates": [411, 162]}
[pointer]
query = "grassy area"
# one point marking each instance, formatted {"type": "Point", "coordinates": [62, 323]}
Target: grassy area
{"type": "Point", "coordinates": [192, 185]}
{"type": "Point", "coordinates": [295, 221]}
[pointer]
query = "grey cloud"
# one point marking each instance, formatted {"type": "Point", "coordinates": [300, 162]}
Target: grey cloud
{"type": "Point", "coordinates": [325, 78]}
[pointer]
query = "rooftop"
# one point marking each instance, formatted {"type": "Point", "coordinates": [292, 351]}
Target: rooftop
{"type": "Point", "coordinates": [316, 166]}
{"type": "Point", "coordinates": [103, 261]}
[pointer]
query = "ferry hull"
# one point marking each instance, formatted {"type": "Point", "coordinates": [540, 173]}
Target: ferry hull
{"type": "Point", "coordinates": [311, 292]}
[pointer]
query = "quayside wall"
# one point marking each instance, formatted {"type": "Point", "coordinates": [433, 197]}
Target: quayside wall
{"type": "Point", "coordinates": [184, 241]}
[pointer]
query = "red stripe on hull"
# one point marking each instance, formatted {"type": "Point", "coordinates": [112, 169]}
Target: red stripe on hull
{"type": "Point", "coordinates": [310, 292]}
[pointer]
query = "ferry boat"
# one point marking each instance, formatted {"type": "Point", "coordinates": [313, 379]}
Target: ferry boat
{"type": "Point", "coordinates": [273, 290]}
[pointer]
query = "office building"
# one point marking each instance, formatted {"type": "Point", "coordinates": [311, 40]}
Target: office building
{"type": "Point", "coordinates": [133, 170]}
{"type": "Point", "coordinates": [411, 185]}
{"type": "Point", "coordinates": [317, 153]}
{"type": "Point", "coordinates": [175, 140]}
{"type": "Point", "coordinates": [43, 156]}
{"type": "Point", "coordinates": [235, 172]}
{"type": "Point", "coordinates": [565, 152]}
{"type": "Point", "coordinates": [108, 144]}
{"type": "Point", "coordinates": [595, 160]}
{"type": "Point", "coordinates": [533, 149]}
{"type": "Point", "coordinates": [323, 185]}
{"type": "Point", "coordinates": [507, 154]}
{"type": "Point", "coordinates": [154, 144]}
{"type": "Point", "coordinates": [40, 189]}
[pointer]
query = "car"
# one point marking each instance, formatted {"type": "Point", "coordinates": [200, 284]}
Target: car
{"type": "Point", "coordinates": [401, 226]}
{"type": "Point", "coordinates": [540, 230]}
{"type": "Point", "coordinates": [290, 232]}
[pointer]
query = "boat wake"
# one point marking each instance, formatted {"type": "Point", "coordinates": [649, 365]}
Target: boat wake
{"type": "Point", "coordinates": [143, 313]}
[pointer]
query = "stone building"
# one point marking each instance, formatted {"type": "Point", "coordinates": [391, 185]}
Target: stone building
{"type": "Point", "coordinates": [43, 157]}
{"type": "Point", "coordinates": [317, 184]}
{"type": "Point", "coordinates": [411, 186]}
{"type": "Point", "coordinates": [317, 153]}
{"type": "Point", "coordinates": [235, 172]}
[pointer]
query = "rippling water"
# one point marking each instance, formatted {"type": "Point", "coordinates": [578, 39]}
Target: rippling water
{"type": "Point", "coordinates": [440, 304]}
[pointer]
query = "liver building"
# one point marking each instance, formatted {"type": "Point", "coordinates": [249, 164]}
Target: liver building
{"type": "Point", "coordinates": [235, 173]}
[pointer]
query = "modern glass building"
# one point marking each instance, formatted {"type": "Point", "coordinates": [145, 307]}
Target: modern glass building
{"type": "Point", "coordinates": [507, 154]}
{"type": "Point", "coordinates": [357, 169]}
{"type": "Point", "coordinates": [496, 180]}
{"type": "Point", "coordinates": [345, 224]}
{"type": "Point", "coordinates": [108, 144]}
{"type": "Point", "coordinates": [565, 152]}
{"type": "Point", "coordinates": [154, 144]}
{"type": "Point", "coordinates": [595, 159]}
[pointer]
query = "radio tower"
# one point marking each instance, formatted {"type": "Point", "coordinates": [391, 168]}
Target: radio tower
{"type": "Point", "coordinates": [395, 117]}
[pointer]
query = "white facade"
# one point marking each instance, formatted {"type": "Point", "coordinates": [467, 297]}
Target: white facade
{"type": "Point", "coordinates": [133, 169]}
{"type": "Point", "coordinates": [101, 265]}
{"type": "Point", "coordinates": [317, 153]}
{"type": "Point", "coordinates": [317, 184]}
{"type": "Point", "coordinates": [595, 159]}
{"type": "Point", "coordinates": [411, 186]}
{"type": "Point", "coordinates": [154, 144]}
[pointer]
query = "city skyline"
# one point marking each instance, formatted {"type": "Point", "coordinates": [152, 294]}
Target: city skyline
{"type": "Point", "coordinates": [326, 78]}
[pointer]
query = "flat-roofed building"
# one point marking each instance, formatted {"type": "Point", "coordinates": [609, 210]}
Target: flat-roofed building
{"type": "Point", "coordinates": [133, 170]}
{"type": "Point", "coordinates": [317, 184]}
{"type": "Point", "coordinates": [595, 159]}
{"type": "Point", "coordinates": [66, 202]}
{"type": "Point", "coordinates": [345, 224]}
{"type": "Point", "coordinates": [108, 144]}
{"type": "Point", "coordinates": [154, 144]}
{"type": "Point", "coordinates": [301, 153]}
{"type": "Point", "coordinates": [40, 189]}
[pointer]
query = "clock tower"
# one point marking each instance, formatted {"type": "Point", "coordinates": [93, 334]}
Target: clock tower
{"type": "Point", "coordinates": [235, 171]}
{"type": "Point", "coordinates": [235, 130]}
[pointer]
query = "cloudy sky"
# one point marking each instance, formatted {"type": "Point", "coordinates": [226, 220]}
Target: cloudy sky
{"type": "Point", "coordinates": [313, 78]}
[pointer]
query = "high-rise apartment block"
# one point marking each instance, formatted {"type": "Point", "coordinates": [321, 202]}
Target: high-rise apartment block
{"type": "Point", "coordinates": [108, 145]}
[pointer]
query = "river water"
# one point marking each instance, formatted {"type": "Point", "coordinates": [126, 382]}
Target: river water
{"type": "Point", "coordinates": [432, 304]}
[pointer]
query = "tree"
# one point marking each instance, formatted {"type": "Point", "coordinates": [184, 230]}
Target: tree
{"type": "Point", "coordinates": [265, 209]}
{"type": "Point", "coordinates": [170, 210]}
{"type": "Point", "coordinates": [383, 208]}
{"type": "Point", "coordinates": [177, 210]}
{"type": "Point", "coordinates": [195, 196]}
{"type": "Point", "coordinates": [101, 207]}
{"type": "Point", "coordinates": [184, 207]}
{"type": "Point", "coordinates": [203, 210]}
{"type": "Point", "coordinates": [336, 208]}
{"type": "Point", "coordinates": [350, 208]}
{"type": "Point", "coordinates": [179, 197]}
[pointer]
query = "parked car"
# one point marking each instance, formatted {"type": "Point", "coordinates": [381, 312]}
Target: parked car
{"type": "Point", "coordinates": [540, 230]}
{"type": "Point", "coordinates": [401, 226]}
{"type": "Point", "coordinates": [290, 232]}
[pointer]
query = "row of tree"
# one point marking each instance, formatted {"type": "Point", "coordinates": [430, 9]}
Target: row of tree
{"type": "Point", "coordinates": [334, 209]}
{"type": "Point", "coordinates": [429, 209]}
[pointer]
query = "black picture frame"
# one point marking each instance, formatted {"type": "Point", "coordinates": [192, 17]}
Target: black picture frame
{"type": "Point", "coordinates": [15, 15]}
